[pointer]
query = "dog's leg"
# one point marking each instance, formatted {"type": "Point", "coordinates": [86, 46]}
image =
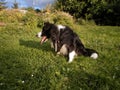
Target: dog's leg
{"type": "Point", "coordinates": [52, 46]}
{"type": "Point", "coordinates": [63, 50]}
{"type": "Point", "coordinates": [71, 56]}
{"type": "Point", "coordinates": [55, 46]}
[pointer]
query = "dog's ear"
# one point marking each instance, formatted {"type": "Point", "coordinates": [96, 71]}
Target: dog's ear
{"type": "Point", "coordinates": [46, 23]}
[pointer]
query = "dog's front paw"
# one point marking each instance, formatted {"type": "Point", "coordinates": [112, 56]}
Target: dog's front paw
{"type": "Point", "coordinates": [58, 53]}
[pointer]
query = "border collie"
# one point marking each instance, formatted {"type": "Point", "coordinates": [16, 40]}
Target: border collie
{"type": "Point", "coordinates": [65, 41]}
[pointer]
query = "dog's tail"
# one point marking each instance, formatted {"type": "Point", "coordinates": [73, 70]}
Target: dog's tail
{"type": "Point", "coordinates": [91, 53]}
{"type": "Point", "coordinates": [80, 49]}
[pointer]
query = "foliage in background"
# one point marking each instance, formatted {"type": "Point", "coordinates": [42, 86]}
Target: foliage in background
{"type": "Point", "coordinates": [2, 5]}
{"type": "Point", "coordinates": [11, 16]}
{"type": "Point", "coordinates": [103, 12]}
{"type": "Point", "coordinates": [32, 20]}
{"type": "Point", "coordinates": [15, 5]}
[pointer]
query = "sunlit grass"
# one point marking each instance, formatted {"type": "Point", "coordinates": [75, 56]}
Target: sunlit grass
{"type": "Point", "coordinates": [27, 65]}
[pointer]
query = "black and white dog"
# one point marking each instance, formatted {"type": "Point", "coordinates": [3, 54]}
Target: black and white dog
{"type": "Point", "coordinates": [65, 41]}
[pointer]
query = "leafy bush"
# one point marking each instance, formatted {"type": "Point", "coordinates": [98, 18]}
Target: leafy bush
{"type": "Point", "coordinates": [82, 21]}
{"type": "Point", "coordinates": [30, 20]}
{"type": "Point", "coordinates": [11, 16]}
{"type": "Point", "coordinates": [63, 18]}
{"type": "Point", "coordinates": [56, 17]}
{"type": "Point", "coordinates": [104, 12]}
{"type": "Point", "coordinates": [33, 20]}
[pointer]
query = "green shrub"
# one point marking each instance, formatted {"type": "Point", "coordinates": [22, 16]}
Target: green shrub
{"type": "Point", "coordinates": [30, 20]}
{"type": "Point", "coordinates": [82, 21]}
{"type": "Point", "coordinates": [40, 22]}
{"type": "Point", "coordinates": [63, 18]}
{"type": "Point", "coordinates": [11, 16]}
{"type": "Point", "coordinates": [57, 17]}
{"type": "Point", "coordinates": [33, 20]}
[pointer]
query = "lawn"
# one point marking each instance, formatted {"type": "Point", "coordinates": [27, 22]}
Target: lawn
{"type": "Point", "coordinates": [27, 65]}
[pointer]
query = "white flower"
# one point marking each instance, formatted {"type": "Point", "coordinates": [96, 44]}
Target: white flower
{"type": "Point", "coordinates": [1, 84]}
{"type": "Point", "coordinates": [23, 81]}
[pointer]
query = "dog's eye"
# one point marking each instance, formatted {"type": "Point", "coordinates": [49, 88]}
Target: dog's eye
{"type": "Point", "coordinates": [45, 28]}
{"type": "Point", "coordinates": [43, 33]}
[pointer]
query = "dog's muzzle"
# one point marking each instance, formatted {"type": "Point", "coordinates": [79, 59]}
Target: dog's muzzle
{"type": "Point", "coordinates": [39, 34]}
{"type": "Point", "coordinates": [43, 39]}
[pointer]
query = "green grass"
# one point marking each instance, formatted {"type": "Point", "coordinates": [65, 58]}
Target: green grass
{"type": "Point", "coordinates": [27, 65]}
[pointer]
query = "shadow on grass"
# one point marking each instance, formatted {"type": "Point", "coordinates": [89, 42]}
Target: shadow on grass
{"type": "Point", "coordinates": [36, 45]}
{"type": "Point", "coordinates": [13, 70]}
{"type": "Point", "coordinates": [87, 81]}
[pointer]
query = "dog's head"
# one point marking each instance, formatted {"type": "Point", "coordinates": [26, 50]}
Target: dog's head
{"type": "Point", "coordinates": [45, 33]}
